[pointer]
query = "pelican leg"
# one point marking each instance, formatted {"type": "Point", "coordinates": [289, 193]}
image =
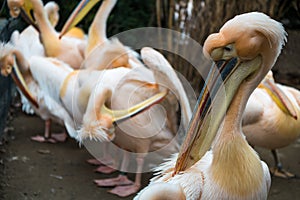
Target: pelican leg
{"type": "Point", "coordinates": [105, 160]}
{"type": "Point", "coordinates": [60, 137]}
{"type": "Point", "coordinates": [278, 170]}
{"type": "Point", "coordinates": [124, 191]}
{"type": "Point", "coordinates": [48, 136]}
{"type": "Point", "coordinates": [106, 164]}
{"type": "Point", "coordinates": [122, 179]}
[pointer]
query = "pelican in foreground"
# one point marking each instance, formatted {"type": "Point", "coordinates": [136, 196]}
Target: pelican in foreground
{"type": "Point", "coordinates": [272, 119]}
{"type": "Point", "coordinates": [69, 49]}
{"type": "Point", "coordinates": [244, 50]}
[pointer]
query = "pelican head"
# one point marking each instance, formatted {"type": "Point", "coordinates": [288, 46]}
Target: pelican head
{"type": "Point", "coordinates": [244, 50]}
{"type": "Point", "coordinates": [8, 65]}
{"type": "Point", "coordinates": [99, 125]}
{"type": "Point", "coordinates": [14, 7]}
{"type": "Point", "coordinates": [52, 10]}
{"type": "Point", "coordinates": [6, 59]}
{"type": "Point", "coordinates": [23, 7]}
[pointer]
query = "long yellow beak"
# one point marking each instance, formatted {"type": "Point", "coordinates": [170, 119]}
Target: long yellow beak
{"type": "Point", "coordinates": [20, 82]}
{"type": "Point", "coordinates": [77, 15]}
{"type": "Point", "coordinates": [202, 131]}
{"type": "Point", "coordinates": [28, 8]}
{"type": "Point", "coordinates": [279, 97]}
{"type": "Point", "coordinates": [121, 115]}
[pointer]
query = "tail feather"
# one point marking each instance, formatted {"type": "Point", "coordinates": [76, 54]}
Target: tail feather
{"type": "Point", "coordinates": [166, 76]}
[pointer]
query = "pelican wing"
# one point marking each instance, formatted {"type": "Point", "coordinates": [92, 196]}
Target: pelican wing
{"type": "Point", "coordinates": [49, 74]}
{"type": "Point", "coordinates": [294, 93]}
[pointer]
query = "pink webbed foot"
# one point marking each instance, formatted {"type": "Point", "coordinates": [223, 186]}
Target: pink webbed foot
{"type": "Point", "coordinates": [106, 165]}
{"type": "Point", "coordinates": [124, 191]}
{"type": "Point", "coordinates": [94, 162]}
{"type": "Point", "coordinates": [281, 173]}
{"type": "Point", "coordinates": [102, 161]}
{"type": "Point", "coordinates": [105, 169]}
{"type": "Point", "coordinates": [121, 180]}
{"type": "Point", "coordinates": [41, 139]}
{"type": "Point", "coordinates": [54, 138]}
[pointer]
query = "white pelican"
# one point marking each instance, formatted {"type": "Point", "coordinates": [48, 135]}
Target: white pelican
{"type": "Point", "coordinates": [271, 119]}
{"type": "Point", "coordinates": [41, 102]}
{"type": "Point", "coordinates": [101, 52]}
{"type": "Point", "coordinates": [244, 50]}
{"type": "Point", "coordinates": [28, 42]}
{"type": "Point", "coordinates": [69, 49]}
{"type": "Point", "coordinates": [131, 136]}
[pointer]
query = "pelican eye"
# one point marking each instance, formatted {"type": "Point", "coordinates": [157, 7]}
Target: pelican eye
{"type": "Point", "coordinates": [227, 48]}
{"type": "Point", "coordinates": [8, 68]}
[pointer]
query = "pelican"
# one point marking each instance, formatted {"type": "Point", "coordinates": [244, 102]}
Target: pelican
{"type": "Point", "coordinates": [29, 44]}
{"type": "Point", "coordinates": [101, 52]}
{"type": "Point", "coordinates": [69, 49]}
{"type": "Point", "coordinates": [271, 119]}
{"type": "Point", "coordinates": [244, 50]}
{"type": "Point", "coordinates": [44, 82]}
{"type": "Point", "coordinates": [38, 100]}
{"type": "Point", "coordinates": [131, 136]}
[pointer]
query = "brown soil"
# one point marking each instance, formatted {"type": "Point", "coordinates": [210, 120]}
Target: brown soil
{"type": "Point", "coordinates": [31, 170]}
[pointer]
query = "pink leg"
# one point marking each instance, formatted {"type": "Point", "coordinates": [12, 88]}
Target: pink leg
{"type": "Point", "coordinates": [105, 169]}
{"type": "Point", "coordinates": [94, 161]}
{"type": "Point", "coordinates": [124, 191]}
{"type": "Point", "coordinates": [48, 137]}
{"type": "Point", "coordinates": [60, 137]}
{"type": "Point", "coordinates": [106, 164]}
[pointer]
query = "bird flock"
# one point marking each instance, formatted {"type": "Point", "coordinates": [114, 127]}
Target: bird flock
{"type": "Point", "coordinates": [90, 84]}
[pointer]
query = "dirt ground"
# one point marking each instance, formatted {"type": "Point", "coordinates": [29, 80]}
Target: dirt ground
{"type": "Point", "coordinates": [30, 170]}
